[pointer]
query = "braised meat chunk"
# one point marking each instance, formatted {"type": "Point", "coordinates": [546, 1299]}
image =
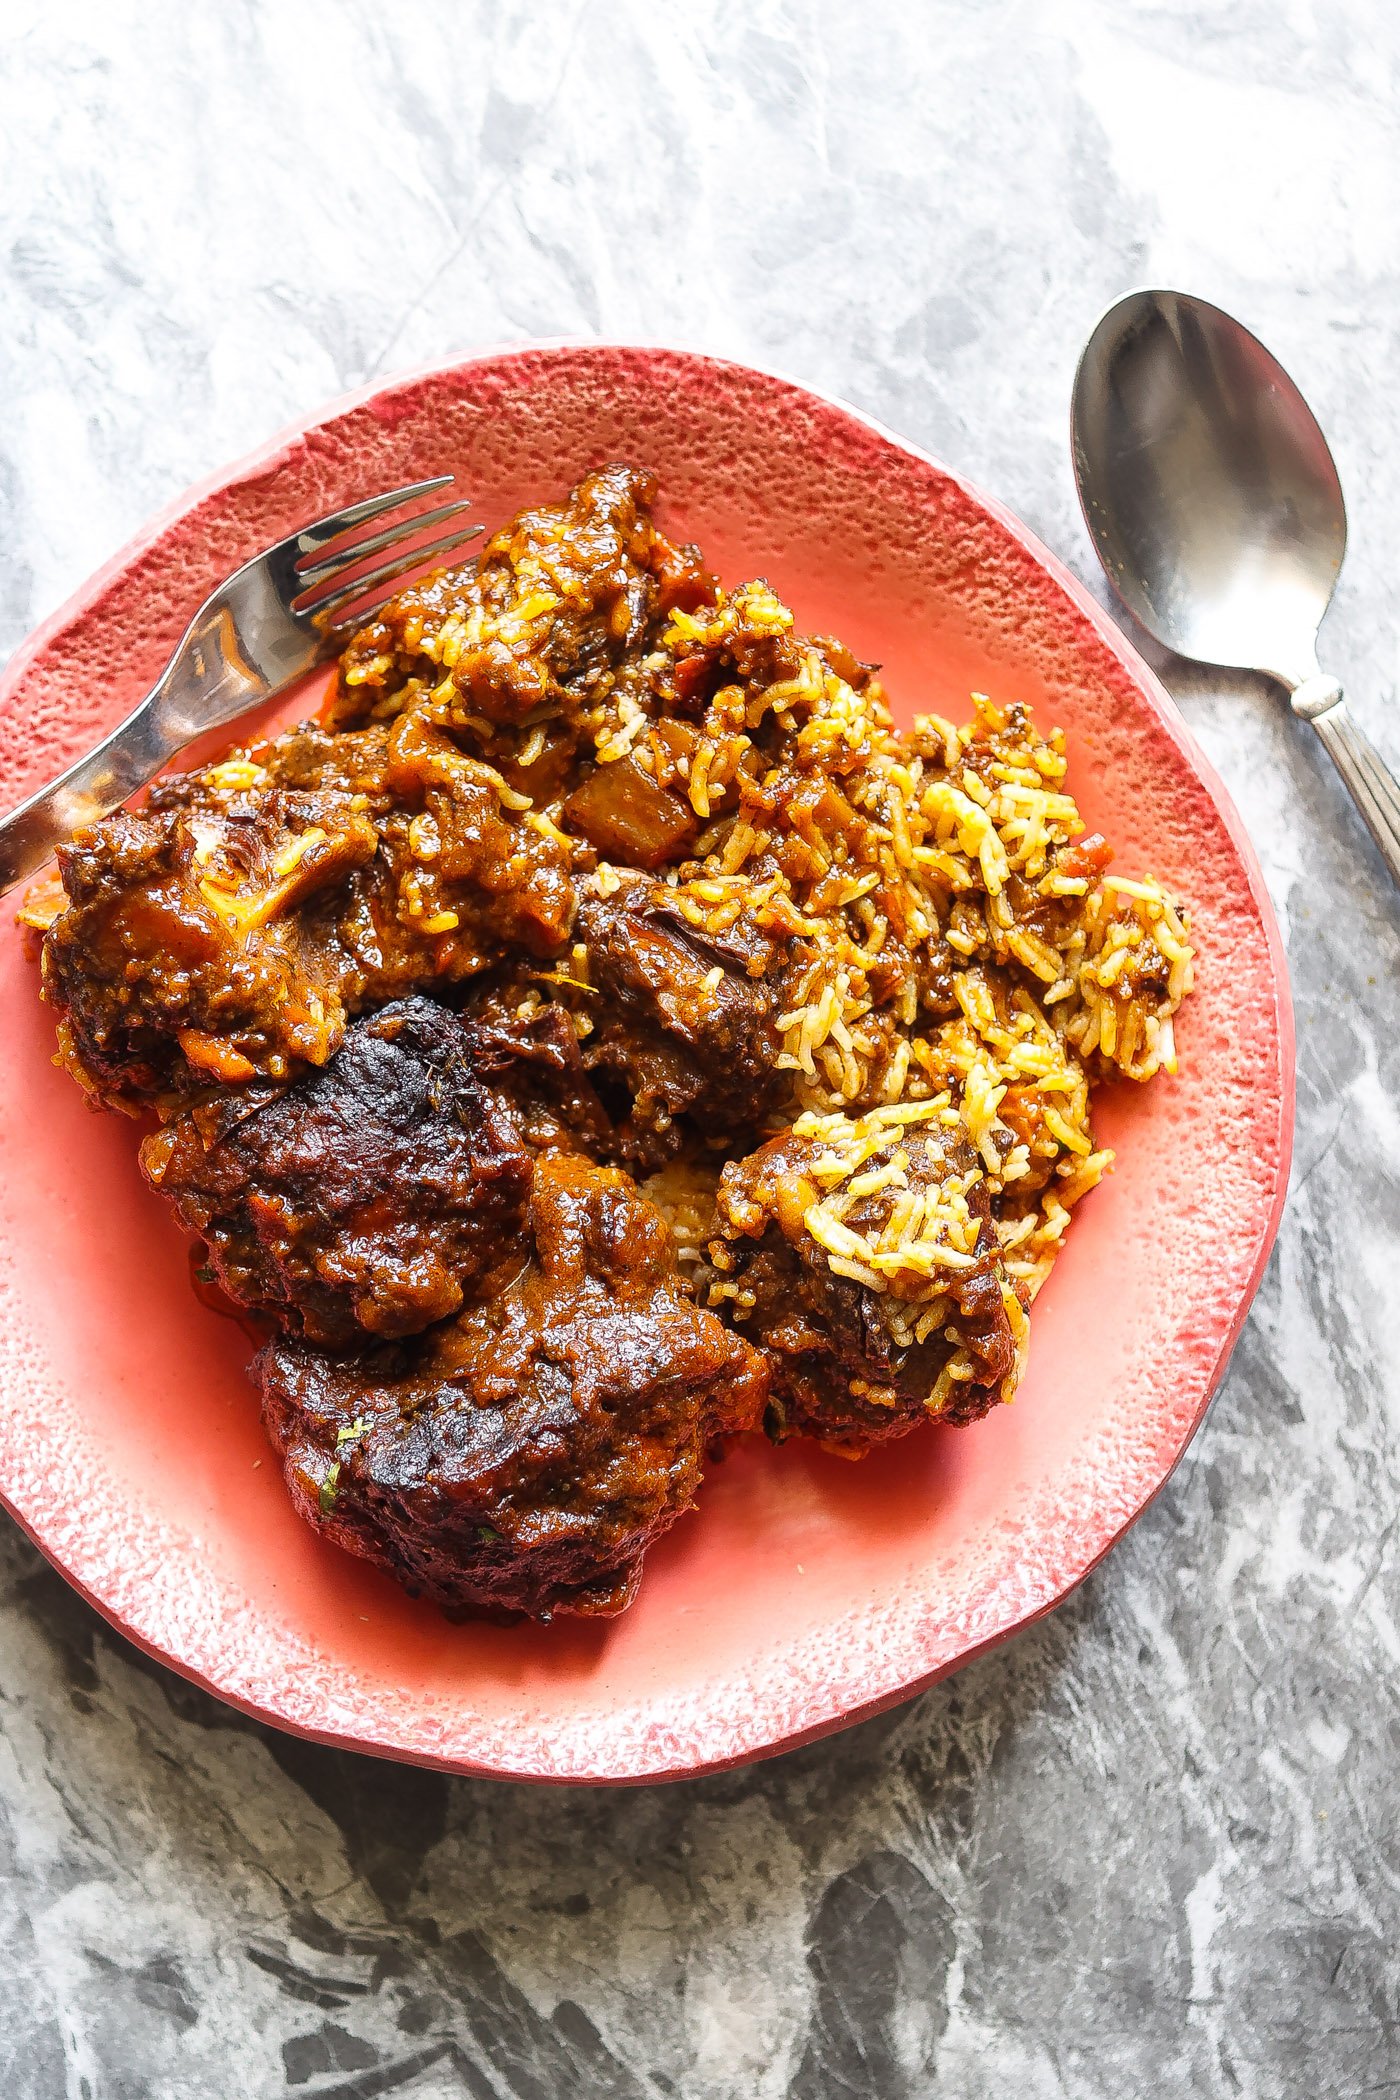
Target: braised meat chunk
{"type": "Point", "coordinates": [861, 1254]}
{"type": "Point", "coordinates": [227, 930]}
{"type": "Point", "coordinates": [686, 1019]}
{"type": "Point", "coordinates": [522, 1456]}
{"type": "Point", "coordinates": [366, 1200]}
{"type": "Point", "coordinates": [527, 1046]}
{"type": "Point", "coordinates": [201, 948]}
{"type": "Point", "coordinates": [560, 602]}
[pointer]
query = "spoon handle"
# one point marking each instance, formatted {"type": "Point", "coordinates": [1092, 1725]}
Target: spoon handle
{"type": "Point", "coordinates": [1374, 788]}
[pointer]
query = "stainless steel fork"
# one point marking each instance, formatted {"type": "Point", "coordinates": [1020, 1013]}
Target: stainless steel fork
{"type": "Point", "coordinates": [273, 620]}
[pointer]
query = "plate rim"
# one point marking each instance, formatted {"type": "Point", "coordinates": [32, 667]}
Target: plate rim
{"type": "Point", "coordinates": [264, 458]}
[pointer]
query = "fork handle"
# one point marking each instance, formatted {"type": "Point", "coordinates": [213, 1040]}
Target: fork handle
{"type": "Point", "coordinates": [208, 681]}
{"type": "Point", "coordinates": [95, 785]}
{"type": "Point", "coordinates": [1373, 786]}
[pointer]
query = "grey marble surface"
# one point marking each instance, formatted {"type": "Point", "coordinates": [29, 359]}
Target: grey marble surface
{"type": "Point", "coordinates": [1150, 1847]}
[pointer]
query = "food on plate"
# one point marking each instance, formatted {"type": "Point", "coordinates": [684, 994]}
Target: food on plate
{"type": "Point", "coordinates": [862, 1253]}
{"type": "Point", "coordinates": [365, 1201]}
{"type": "Point", "coordinates": [522, 1455]}
{"type": "Point", "coordinates": [603, 1032]}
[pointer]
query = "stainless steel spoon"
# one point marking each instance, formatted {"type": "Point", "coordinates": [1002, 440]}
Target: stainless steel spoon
{"type": "Point", "coordinates": [1215, 507]}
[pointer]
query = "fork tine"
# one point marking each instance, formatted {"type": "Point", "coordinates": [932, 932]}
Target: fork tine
{"type": "Point", "coordinates": [312, 538]}
{"type": "Point", "coordinates": [337, 559]}
{"type": "Point", "coordinates": [415, 558]}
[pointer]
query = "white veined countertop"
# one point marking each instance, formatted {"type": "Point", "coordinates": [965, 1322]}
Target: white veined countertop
{"type": "Point", "coordinates": [1142, 1848]}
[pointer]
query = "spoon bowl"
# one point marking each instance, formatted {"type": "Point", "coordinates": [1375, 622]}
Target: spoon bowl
{"type": "Point", "coordinates": [1207, 485]}
{"type": "Point", "coordinates": [1215, 507]}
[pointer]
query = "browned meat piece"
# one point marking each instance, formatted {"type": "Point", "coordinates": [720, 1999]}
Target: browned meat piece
{"type": "Point", "coordinates": [691, 1021]}
{"type": "Point", "coordinates": [448, 847]}
{"type": "Point", "coordinates": [203, 950]}
{"type": "Point", "coordinates": [746, 652]}
{"type": "Point", "coordinates": [366, 1199]}
{"type": "Point", "coordinates": [466, 860]}
{"type": "Point", "coordinates": [861, 1255]}
{"type": "Point", "coordinates": [226, 931]}
{"type": "Point", "coordinates": [647, 1083]}
{"type": "Point", "coordinates": [558, 599]}
{"type": "Point", "coordinates": [528, 1048]}
{"type": "Point", "coordinates": [521, 1457]}
{"type": "Point", "coordinates": [305, 759]}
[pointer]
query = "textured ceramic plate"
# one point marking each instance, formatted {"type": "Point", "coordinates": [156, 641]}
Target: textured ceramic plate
{"type": "Point", "coordinates": [805, 1592]}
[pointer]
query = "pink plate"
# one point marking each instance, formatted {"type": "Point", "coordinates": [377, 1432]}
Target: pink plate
{"type": "Point", "coordinates": [806, 1592]}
